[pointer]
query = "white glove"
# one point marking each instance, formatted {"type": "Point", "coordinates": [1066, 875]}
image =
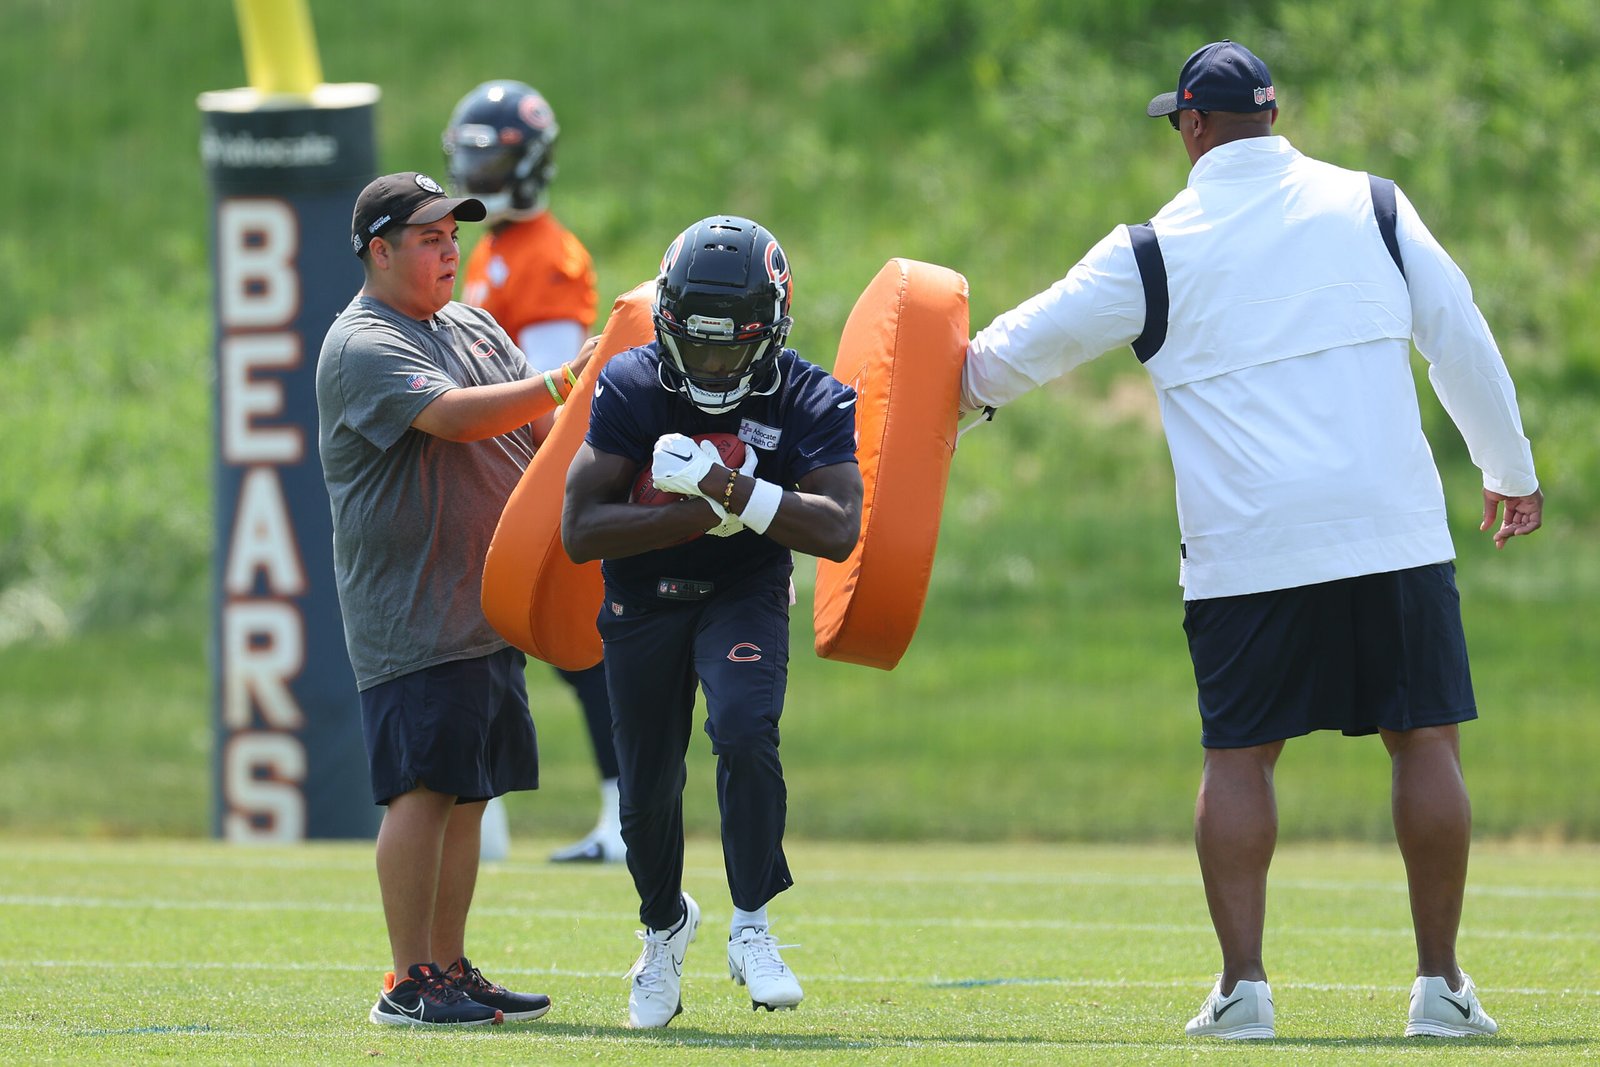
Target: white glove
{"type": "Point", "coordinates": [730, 524]}
{"type": "Point", "coordinates": [678, 464]}
{"type": "Point", "coordinates": [712, 454]}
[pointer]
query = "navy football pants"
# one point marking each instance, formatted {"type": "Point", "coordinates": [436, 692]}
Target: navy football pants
{"type": "Point", "coordinates": [590, 687]}
{"type": "Point", "coordinates": [735, 647]}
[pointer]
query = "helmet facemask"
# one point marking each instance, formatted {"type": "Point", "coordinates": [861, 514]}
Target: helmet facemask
{"type": "Point", "coordinates": [717, 375]}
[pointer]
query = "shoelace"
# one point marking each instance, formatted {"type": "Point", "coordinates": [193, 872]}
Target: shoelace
{"type": "Point", "coordinates": [1208, 1013]}
{"type": "Point", "coordinates": [650, 970]}
{"type": "Point", "coordinates": [439, 989]}
{"type": "Point", "coordinates": [761, 959]}
{"type": "Point", "coordinates": [473, 981]}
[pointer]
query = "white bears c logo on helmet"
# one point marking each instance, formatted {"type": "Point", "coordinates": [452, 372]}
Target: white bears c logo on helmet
{"type": "Point", "coordinates": [778, 269]}
{"type": "Point", "coordinates": [671, 255]}
{"type": "Point", "coordinates": [533, 110]}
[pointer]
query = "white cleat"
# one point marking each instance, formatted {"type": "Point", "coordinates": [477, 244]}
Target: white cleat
{"type": "Point", "coordinates": [1439, 1011]}
{"type": "Point", "coordinates": [603, 845]}
{"type": "Point", "coordinates": [656, 996]}
{"type": "Point", "coordinates": [753, 961]}
{"type": "Point", "coordinates": [1243, 1015]}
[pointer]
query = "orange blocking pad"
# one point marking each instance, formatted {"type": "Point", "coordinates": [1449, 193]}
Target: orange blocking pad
{"type": "Point", "coordinates": [902, 351]}
{"type": "Point", "coordinates": [533, 594]}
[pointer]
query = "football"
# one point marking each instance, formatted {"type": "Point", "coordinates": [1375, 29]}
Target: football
{"type": "Point", "coordinates": [645, 492]}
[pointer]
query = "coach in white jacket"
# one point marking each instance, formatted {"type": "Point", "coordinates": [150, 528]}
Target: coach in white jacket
{"type": "Point", "coordinates": [1274, 302]}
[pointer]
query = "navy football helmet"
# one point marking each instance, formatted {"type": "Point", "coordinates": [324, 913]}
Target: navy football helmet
{"type": "Point", "coordinates": [721, 312]}
{"type": "Point", "coordinates": [499, 146]}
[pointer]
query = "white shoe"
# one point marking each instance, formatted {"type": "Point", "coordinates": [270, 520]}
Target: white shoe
{"type": "Point", "coordinates": [1244, 1014]}
{"type": "Point", "coordinates": [656, 997]}
{"type": "Point", "coordinates": [603, 845]}
{"type": "Point", "coordinates": [753, 960]}
{"type": "Point", "coordinates": [1439, 1011]}
{"type": "Point", "coordinates": [494, 832]}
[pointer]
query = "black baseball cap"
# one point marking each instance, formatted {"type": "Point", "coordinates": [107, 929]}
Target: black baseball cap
{"type": "Point", "coordinates": [406, 199]}
{"type": "Point", "coordinates": [1222, 76]}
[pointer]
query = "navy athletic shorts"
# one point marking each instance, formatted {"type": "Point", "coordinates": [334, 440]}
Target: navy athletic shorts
{"type": "Point", "coordinates": [1381, 650]}
{"type": "Point", "coordinates": [461, 727]}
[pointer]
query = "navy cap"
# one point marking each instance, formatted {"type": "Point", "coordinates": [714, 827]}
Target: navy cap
{"type": "Point", "coordinates": [1222, 76]}
{"type": "Point", "coordinates": [405, 199]}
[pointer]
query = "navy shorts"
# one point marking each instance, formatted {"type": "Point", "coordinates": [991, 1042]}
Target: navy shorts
{"type": "Point", "coordinates": [461, 728]}
{"type": "Point", "coordinates": [1381, 650]}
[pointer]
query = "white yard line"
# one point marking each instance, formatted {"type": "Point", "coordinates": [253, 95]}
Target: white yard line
{"type": "Point", "coordinates": [245, 858]}
{"type": "Point", "coordinates": [623, 919]}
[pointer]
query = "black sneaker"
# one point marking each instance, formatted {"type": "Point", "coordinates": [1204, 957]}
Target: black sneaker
{"type": "Point", "coordinates": [517, 1007]}
{"type": "Point", "coordinates": [428, 997]}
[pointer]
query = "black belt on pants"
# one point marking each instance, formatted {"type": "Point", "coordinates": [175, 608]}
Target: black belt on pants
{"type": "Point", "coordinates": [683, 589]}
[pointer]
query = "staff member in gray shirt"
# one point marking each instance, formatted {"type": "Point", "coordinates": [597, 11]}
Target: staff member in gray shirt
{"type": "Point", "coordinates": [423, 410]}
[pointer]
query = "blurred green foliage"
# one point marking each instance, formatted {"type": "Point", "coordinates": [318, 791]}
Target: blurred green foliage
{"type": "Point", "coordinates": [1001, 139]}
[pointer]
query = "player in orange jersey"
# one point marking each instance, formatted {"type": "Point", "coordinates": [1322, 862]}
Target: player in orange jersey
{"type": "Point", "coordinates": [537, 280]}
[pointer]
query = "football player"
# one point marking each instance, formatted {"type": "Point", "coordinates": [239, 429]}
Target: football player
{"type": "Point", "coordinates": [537, 280]}
{"type": "Point", "coordinates": [684, 611]}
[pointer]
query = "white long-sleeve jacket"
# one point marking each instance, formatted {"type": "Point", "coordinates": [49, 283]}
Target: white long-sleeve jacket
{"type": "Point", "coordinates": [1284, 381]}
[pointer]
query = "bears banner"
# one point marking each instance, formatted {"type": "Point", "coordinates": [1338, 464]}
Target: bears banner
{"type": "Point", "coordinates": [284, 172]}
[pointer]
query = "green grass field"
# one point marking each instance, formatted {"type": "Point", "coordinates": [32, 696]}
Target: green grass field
{"type": "Point", "coordinates": [928, 954]}
{"type": "Point", "coordinates": [1018, 791]}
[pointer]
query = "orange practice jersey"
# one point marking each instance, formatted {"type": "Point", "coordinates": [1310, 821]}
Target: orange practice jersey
{"type": "Point", "coordinates": [531, 271]}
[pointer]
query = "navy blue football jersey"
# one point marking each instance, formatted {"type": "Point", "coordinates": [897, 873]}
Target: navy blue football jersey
{"type": "Point", "coordinates": [808, 422]}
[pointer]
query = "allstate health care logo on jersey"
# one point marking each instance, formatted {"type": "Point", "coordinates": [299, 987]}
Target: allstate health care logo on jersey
{"type": "Point", "coordinates": [759, 434]}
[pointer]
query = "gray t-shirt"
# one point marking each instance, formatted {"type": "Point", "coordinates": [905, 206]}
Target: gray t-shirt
{"type": "Point", "coordinates": [412, 513]}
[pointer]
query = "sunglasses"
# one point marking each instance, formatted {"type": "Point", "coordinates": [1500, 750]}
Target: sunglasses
{"type": "Point", "coordinates": [1173, 118]}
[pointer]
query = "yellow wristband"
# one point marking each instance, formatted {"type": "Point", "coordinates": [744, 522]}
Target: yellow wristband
{"type": "Point", "coordinates": [550, 384]}
{"type": "Point", "coordinates": [572, 379]}
{"type": "Point", "coordinates": [727, 491]}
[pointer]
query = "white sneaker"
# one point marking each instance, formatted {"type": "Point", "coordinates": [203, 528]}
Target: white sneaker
{"type": "Point", "coordinates": [1246, 1013]}
{"type": "Point", "coordinates": [494, 832]}
{"type": "Point", "coordinates": [603, 845]}
{"type": "Point", "coordinates": [656, 997]}
{"type": "Point", "coordinates": [1439, 1011]}
{"type": "Point", "coordinates": [753, 960]}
